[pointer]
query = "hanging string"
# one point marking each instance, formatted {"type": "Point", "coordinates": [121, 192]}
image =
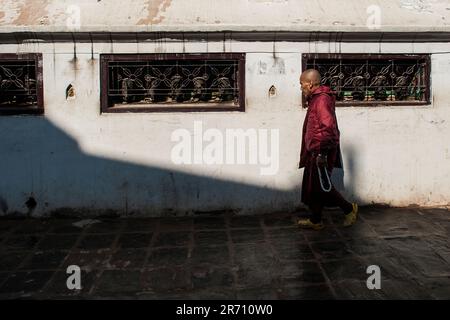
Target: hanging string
{"type": "Point", "coordinates": [326, 175]}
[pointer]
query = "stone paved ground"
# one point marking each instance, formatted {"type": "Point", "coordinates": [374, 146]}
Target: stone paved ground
{"type": "Point", "coordinates": [229, 257]}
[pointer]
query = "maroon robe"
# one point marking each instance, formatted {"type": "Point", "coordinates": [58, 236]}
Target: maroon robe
{"type": "Point", "coordinates": [320, 135]}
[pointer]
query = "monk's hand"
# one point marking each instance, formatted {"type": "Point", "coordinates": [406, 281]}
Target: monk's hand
{"type": "Point", "coordinates": [321, 160]}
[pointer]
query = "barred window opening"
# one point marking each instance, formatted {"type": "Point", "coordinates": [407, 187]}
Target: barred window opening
{"type": "Point", "coordinates": [164, 83]}
{"type": "Point", "coordinates": [374, 80]}
{"type": "Point", "coordinates": [21, 84]}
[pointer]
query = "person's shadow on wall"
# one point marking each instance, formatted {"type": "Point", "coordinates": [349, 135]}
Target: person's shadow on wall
{"type": "Point", "coordinates": [348, 189]}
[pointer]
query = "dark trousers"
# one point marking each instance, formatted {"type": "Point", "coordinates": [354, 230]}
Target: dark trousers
{"type": "Point", "coordinates": [313, 195]}
{"type": "Point", "coordinates": [335, 197]}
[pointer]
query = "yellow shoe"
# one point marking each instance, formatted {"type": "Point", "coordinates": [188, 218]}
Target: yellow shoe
{"type": "Point", "coordinates": [307, 223]}
{"type": "Point", "coordinates": [350, 218]}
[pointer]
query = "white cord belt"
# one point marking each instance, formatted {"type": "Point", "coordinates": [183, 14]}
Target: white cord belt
{"type": "Point", "coordinates": [326, 175]}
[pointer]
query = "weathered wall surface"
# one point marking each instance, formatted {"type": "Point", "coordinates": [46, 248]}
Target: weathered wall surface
{"type": "Point", "coordinates": [218, 15]}
{"type": "Point", "coordinates": [76, 158]}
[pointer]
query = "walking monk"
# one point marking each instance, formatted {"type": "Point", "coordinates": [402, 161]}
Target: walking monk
{"type": "Point", "coordinates": [320, 153]}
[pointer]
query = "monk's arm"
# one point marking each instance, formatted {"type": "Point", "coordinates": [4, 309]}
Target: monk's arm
{"type": "Point", "coordinates": [327, 124]}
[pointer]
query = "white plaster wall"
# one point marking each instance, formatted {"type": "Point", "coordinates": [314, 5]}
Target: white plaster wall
{"type": "Point", "coordinates": [74, 157]}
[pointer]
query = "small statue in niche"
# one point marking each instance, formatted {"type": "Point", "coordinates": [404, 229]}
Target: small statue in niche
{"type": "Point", "coordinates": [199, 93]}
{"type": "Point", "coordinates": [224, 90]}
{"type": "Point", "coordinates": [358, 85]}
{"type": "Point", "coordinates": [129, 83]}
{"type": "Point", "coordinates": [150, 84]}
{"type": "Point", "coordinates": [123, 89]}
{"type": "Point", "coordinates": [70, 92]}
{"type": "Point", "coordinates": [175, 89]}
{"type": "Point", "coordinates": [401, 88]}
{"type": "Point", "coordinates": [153, 84]}
{"type": "Point", "coordinates": [378, 84]}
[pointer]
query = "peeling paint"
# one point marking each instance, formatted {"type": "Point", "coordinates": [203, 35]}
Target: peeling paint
{"type": "Point", "coordinates": [32, 13]}
{"type": "Point", "coordinates": [155, 10]}
{"type": "Point", "coordinates": [178, 15]}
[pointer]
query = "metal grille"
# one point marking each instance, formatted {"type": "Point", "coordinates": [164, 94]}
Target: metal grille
{"type": "Point", "coordinates": [18, 87]}
{"type": "Point", "coordinates": [169, 83]}
{"type": "Point", "coordinates": [373, 80]}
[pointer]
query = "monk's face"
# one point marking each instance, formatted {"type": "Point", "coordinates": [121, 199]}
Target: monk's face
{"type": "Point", "coordinates": [306, 86]}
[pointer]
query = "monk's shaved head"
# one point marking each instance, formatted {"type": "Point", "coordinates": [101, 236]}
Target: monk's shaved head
{"type": "Point", "coordinates": [309, 81]}
{"type": "Point", "coordinates": [312, 76]}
